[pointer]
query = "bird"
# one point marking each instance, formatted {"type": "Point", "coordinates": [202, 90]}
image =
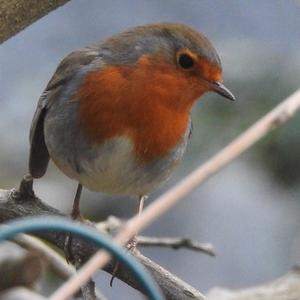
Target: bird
{"type": "Point", "coordinates": [116, 116]}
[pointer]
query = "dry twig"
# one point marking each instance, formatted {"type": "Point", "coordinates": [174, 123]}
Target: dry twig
{"type": "Point", "coordinates": [175, 243]}
{"type": "Point", "coordinates": [112, 224]}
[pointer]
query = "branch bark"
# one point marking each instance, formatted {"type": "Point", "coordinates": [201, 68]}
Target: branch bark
{"type": "Point", "coordinates": [22, 202]}
{"type": "Point", "coordinates": [15, 15]}
{"type": "Point", "coordinates": [175, 243]}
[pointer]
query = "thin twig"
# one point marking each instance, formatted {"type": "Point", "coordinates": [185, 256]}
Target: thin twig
{"type": "Point", "coordinates": [175, 243]}
{"type": "Point", "coordinates": [112, 224]}
{"type": "Point", "coordinates": [273, 119]}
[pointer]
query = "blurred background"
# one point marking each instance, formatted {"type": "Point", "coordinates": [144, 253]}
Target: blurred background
{"type": "Point", "coordinates": [251, 210]}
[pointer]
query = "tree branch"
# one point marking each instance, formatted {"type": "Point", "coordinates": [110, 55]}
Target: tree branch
{"type": "Point", "coordinates": [287, 287]}
{"type": "Point", "coordinates": [15, 15]}
{"type": "Point", "coordinates": [112, 224]}
{"type": "Point", "coordinates": [22, 202]}
{"type": "Point", "coordinates": [175, 243]}
{"type": "Point", "coordinates": [88, 290]}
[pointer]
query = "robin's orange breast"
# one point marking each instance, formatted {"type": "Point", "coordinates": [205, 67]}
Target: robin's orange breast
{"type": "Point", "coordinates": [147, 102]}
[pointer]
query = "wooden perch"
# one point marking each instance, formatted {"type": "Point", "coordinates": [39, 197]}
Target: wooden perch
{"type": "Point", "coordinates": [286, 287]}
{"type": "Point", "coordinates": [15, 15]}
{"type": "Point", "coordinates": [22, 202]}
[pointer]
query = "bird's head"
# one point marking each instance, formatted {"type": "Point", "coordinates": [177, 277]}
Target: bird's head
{"type": "Point", "coordinates": [171, 60]}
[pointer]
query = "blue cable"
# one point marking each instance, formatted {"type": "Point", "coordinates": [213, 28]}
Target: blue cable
{"type": "Point", "coordinates": [45, 223]}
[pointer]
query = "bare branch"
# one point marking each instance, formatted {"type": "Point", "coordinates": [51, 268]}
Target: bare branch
{"type": "Point", "coordinates": [112, 224]}
{"type": "Point", "coordinates": [175, 243]}
{"type": "Point", "coordinates": [15, 15]}
{"type": "Point", "coordinates": [22, 202]}
{"type": "Point", "coordinates": [173, 287]}
{"type": "Point", "coordinates": [90, 292]}
{"type": "Point", "coordinates": [273, 119]}
{"type": "Point", "coordinates": [286, 287]}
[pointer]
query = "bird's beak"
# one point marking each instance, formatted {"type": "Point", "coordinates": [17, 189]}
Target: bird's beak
{"type": "Point", "coordinates": [222, 90]}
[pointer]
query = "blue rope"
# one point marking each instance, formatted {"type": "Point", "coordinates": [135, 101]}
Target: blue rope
{"type": "Point", "coordinates": [45, 223]}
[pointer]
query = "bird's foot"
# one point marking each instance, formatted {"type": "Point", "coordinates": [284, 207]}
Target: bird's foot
{"type": "Point", "coordinates": [68, 251]}
{"type": "Point", "coordinates": [131, 247]}
{"type": "Point", "coordinates": [132, 244]}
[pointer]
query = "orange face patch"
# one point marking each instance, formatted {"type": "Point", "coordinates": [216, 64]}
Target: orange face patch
{"type": "Point", "coordinates": [148, 102]}
{"type": "Point", "coordinates": [208, 71]}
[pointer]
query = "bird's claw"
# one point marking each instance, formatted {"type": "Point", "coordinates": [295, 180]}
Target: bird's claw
{"type": "Point", "coordinates": [68, 249]}
{"type": "Point", "coordinates": [130, 247]}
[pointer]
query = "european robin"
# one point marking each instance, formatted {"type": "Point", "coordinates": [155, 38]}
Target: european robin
{"type": "Point", "coordinates": [115, 116]}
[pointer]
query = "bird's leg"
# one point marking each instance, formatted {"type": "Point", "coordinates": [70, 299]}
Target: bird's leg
{"type": "Point", "coordinates": [131, 245]}
{"type": "Point", "coordinates": [75, 215]}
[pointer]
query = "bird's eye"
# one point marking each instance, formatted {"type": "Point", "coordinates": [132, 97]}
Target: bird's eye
{"type": "Point", "coordinates": [185, 61]}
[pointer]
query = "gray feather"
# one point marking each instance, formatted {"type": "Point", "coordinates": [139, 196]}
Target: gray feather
{"type": "Point", "coordinates": [67, 69]}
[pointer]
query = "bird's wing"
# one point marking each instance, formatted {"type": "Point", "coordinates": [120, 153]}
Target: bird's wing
{"type": "Point", "coordinates": [70, 65]}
